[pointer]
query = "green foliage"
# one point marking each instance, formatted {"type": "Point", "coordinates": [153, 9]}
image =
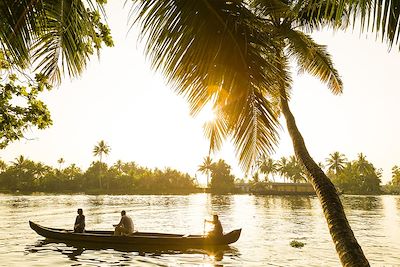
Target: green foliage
{"type": "Point", "coordinates": [336, 162]}
{"type": "Point", "coordinates": [358, 177]}
{"type": "Point", "coordinates": [28, 176]}
{"type": "Point", "coordinates": [222, 181]}
{"type": "Point", "coordinates": [393, 187]}
{"type": "Point", "coordinates": [54, 36]}
{"type": "Point", "coordinates": [206, 167]}
{"type": "Point", "coordinates": [291, 170]}
{"type": "Point", "coordinates": [296, 244]}
{"type": "Point", "coordinates": [396, 175]}
{"type": "Point", "coordinates": [20, 105]}
{"type": "Point", "coordinates": [267, 166]}
{"type": "Point", "coordinates": [100, 149]}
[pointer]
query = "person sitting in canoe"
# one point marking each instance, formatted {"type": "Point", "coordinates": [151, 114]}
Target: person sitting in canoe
{"type": "Point", "coordinates": [125, 225]}
{"type": "Point", "coordinates": [79, 226]}
{"type": "Point", "coordinates": [217, 230]}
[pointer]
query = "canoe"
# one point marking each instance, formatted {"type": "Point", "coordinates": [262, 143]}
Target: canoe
{"type": "Point", "coordinates": [137, 238]}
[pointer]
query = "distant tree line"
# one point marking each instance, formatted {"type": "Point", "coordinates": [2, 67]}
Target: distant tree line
{"type": "Point", "coordinates": [351, 177]}
{"type": "Point", "coordinates": [358, 176]}
{"type": "Point", "coordinates": [354, 177]}
{"type": "Point", "coordinates": [121, 178]}
{"type": "Point", "coordinates": [393, 187]}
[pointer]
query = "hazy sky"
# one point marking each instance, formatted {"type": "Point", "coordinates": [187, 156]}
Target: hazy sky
{"type": "Point", "coordinates": [119, 99]}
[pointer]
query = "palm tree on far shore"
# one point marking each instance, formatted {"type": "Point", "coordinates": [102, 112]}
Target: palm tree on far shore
{"type": "Point", "coordinates": [118, 165]}
{"type": "Point", "coordinates": [19, 161]}
{"type": "Point", "coordinates": [60, 161]}
{"type": "Point", "coordinates": [268, 166]}
{"type": "Point", "coordinates": [282, 167]}
{"type": "Point", "coordinates": [98, 150]}
{"type": "Point", "coordinates": [362, 165]}
{"type": "Point", "coordinates": [3, 165]}
{"type": "Point", "coordinates": [336, 162]}
{"type": "Point", "coordinates": [206, 167]}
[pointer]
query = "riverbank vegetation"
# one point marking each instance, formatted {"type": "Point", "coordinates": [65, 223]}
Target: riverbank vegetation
{"type": "Point", "coordinates": [25, 175]}
{"type": "Point", "coordinates": [358, 176]}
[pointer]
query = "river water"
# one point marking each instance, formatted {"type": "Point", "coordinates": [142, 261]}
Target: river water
{"type": "Point", "coordinates": [269, 224]}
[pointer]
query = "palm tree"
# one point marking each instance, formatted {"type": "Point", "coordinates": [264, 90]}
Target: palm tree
{"type": "Point", "coordinates": [19, 161]}
{"type": "Point", "coordinates": [235, 25]}
{"type": "Point", "coordinates": [98, 150]}
{"type": "Point", "coordinates": [283, 168]}
{"type": "Point", "coordinates": [206, 168]}
{"type": "Point", "coordinates": [362, 165]}
{"type": "Point", "coordinates": [118, 166]}
{"type": "Point", "coordinates": [295, 172]}
{"type": "Point", "coordinates": [237, 58]}
{"type": "Point", "coordinates": [268, 166]}
{"type": "Point", "coordinates": [3, 165]}
{"type": "Point", "coordinates": [336, 162]}
{"type": "Point", "coordinates": [60, 161]}
{"type": "Point", "coordinates": [395, 175]}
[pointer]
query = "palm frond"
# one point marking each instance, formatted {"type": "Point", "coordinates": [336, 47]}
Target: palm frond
{"type": "Point", "coordinates": [252, 132]}
{"type": "Point", "coordinates": [266, 8]}
{"type": "Point", "coordinates": [17, 28]}
{"type": "Point", "coordinates": [59, 35]}
{"type": "Point", "coordinates": [216, 131]}
{"type": "Point", "coordinates": [215, 50]}
{"type": "Point", "coordinates": [334, 15]}
{"type": "Point", "coordinates": [312, 58]}
{"type": "Point", "coordinates": [66, 39]}
{"type": "Point", "coordinates": [379, 16]}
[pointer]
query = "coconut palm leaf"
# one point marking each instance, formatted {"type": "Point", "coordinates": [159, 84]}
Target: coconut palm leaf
{"type": "Point", "coordinates": [63, 37]}
{"type": "Point", "coordinates": [17, 22]}
{"type": "Point", "coordinates": [216, 131]}
{"type": "Point", "coordinates": [379, 16]}
{"type": "Point", "coordinates": [312, 58]}
{"type": "Point", "coordinates": [214, 51]}
{"type": "Point", "coordinates": [59, 35]}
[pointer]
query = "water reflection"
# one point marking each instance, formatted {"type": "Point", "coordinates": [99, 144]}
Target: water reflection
{"type": "Point", "coordinates": [96, 201]}
{"type": "Point", "coordinates": [366, 203]}
{"type": "Point", "coordinates": [296, 202]}
{"type": "Point", "coordinates": [18, 202]}
{"type": "Point", "coordinates": [397, 200]}
{"type": "Point", "coordinates": [269, 224]}
{"type": "Point", "coordinates": [221, 200]}
{"type": "Point", "coordinates": [74, 251]}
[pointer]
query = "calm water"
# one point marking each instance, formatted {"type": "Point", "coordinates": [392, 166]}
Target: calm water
{"type": "Point", "coordinates": [269, 224]}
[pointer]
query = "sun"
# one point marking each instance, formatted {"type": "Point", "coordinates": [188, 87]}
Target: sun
{"type": "Point", "coordinates": [207, 114]}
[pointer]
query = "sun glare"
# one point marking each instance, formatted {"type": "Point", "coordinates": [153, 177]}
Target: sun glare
{"type": "Point", "coordinates": [207, 114]}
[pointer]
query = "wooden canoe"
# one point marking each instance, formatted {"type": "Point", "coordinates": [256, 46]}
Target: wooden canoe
{"type": "Point", "coordinates": [136, 239]}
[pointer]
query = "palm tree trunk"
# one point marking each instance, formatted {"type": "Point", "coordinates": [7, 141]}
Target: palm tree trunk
{"type": "Point", "coordinates": [347, 247]}
{"type": "Point", "coordinates": [100, 182]}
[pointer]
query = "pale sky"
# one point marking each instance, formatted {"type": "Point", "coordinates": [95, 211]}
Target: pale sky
{"type": "Point", "coordinates": [119, 99]}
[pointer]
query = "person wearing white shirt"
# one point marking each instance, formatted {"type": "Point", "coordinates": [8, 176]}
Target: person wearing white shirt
{"type": "Point", "coordinates": [125, 225]}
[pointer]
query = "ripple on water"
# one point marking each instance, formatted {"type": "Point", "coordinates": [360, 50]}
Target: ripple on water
{"type": "Point", "coordinates": [269, 224]}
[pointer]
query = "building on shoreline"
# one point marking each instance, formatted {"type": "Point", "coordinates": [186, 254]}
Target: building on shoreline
{"type": "Point", "coordinates": [282, 189]}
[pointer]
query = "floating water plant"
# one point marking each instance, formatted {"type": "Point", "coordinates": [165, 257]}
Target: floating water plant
{"type": "Point", "coordinates": [297, 244]}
